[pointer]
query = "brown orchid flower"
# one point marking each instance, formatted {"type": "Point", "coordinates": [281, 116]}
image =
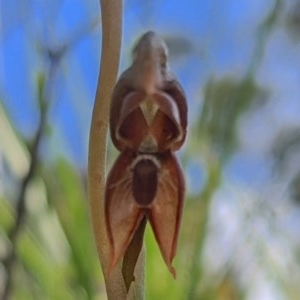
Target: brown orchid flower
{"type": "Point", "coordinates": [148, 122]}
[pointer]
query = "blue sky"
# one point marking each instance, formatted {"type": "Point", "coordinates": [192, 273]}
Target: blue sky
{"type": "Point", "coordinates": [222, 37]}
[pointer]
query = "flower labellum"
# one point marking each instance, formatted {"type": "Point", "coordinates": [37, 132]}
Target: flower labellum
{"type": "Point", "coordinates": [148, 121]}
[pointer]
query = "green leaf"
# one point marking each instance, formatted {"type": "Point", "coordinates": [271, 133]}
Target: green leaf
{"type": "Point", "coordinates": [225, 100]}
{"type": "Point", "coordinates": [70, 203]}
{"type": "Point", "coordinates": [6, 215]}
{"type": "Point", "coordinates": [49, 276]}
{"type": "Point", "coordinates": [14, 151]}
{"type": "Point", "coordinates": [41, 79]}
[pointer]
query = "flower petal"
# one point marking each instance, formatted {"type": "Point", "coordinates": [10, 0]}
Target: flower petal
{"type": "Point", "coordinates": [165, 213]}
{"type": "Point", "coordinates": [122, 216]}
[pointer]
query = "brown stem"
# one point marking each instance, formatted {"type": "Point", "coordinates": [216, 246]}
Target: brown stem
{"type": "Point", "coordinates": [111, 43]}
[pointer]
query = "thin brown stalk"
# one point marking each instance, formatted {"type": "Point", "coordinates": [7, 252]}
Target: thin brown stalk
{"type": "Point", "coordinates": [111, 43]}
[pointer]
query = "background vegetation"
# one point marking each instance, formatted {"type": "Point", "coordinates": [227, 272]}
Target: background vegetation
{"type": "Point", "coordinates": [239, 62]}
